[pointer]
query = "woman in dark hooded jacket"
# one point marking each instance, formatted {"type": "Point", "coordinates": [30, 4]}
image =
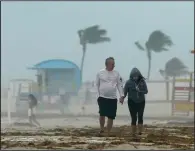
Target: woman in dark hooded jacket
{"type": "Point", "coordinates": [136, 89]}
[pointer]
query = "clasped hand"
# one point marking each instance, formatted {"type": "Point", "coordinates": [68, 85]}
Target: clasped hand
{"type": "Point", "coordinates": [121, 100]}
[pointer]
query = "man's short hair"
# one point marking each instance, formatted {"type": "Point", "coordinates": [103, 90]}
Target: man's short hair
{"type": "Point", "coordinates": [107, 59]}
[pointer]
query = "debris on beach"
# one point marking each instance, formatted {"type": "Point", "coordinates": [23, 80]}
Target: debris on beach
{"type": "Point", "coordinates": [87, 138]}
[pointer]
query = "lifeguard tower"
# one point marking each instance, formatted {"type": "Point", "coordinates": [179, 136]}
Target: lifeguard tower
{"type": "Point", "coordinates": [57, 75]}
{"type": "Point", "coordinates": [183, 95]}
{"type": "Point", "coordinates": [55, 78]}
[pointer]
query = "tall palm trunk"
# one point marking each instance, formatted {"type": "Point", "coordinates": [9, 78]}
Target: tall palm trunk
{"type": "Point", "coordinates": [149, 62]}
{"type": "Point", "coordinates": [83, 59]}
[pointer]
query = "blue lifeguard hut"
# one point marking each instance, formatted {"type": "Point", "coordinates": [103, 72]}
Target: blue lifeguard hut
{"type": "Point", "coordinates": [57, 74]}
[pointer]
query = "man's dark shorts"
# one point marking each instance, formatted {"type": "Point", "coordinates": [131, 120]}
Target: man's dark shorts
{"type": "Point", "coordinates": [107, 107]}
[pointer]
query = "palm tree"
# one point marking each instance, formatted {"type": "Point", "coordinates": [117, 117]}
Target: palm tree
{"type": "Point", "coordinates": [91, 35]}
{"type": "Point", "coordinates": [173, 68]}
{"type": "Point", "coordinates": [157, 42]}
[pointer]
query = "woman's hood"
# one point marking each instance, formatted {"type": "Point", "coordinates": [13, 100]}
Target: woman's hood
{"type": "Point", "coordinates": [135, 72]}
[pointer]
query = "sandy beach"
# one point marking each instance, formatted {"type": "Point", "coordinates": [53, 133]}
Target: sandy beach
{"type": "Point", "coordinates": [82, 133]}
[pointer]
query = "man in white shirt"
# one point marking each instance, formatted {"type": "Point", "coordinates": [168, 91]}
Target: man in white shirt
{"type": "Point", "coordinates": [108, 81]}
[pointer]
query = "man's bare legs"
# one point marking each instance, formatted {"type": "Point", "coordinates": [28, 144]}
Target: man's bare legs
{"type": "Point", "coordinates": [102, 122]}
{"type": "Point", "coordinates": [109, 125]}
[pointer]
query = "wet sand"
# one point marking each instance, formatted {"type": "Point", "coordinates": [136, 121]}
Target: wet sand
{"type": "Point", "coordinates": [72, 133]}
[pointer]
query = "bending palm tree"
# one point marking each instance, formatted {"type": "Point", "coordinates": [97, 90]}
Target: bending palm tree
{"type": "Point", "coordinates": [173, 68]}
{"type": "Point", "coordinates": [91, 35]}
{"type": "Point", "coordinates": [157, 42]}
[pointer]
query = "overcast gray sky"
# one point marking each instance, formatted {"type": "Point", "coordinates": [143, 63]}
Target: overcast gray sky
{"type": "Point", "coordinates": [35, 31]}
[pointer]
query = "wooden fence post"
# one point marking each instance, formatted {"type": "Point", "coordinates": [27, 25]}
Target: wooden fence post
{"type": "Point", "coordinates": [173, 96]}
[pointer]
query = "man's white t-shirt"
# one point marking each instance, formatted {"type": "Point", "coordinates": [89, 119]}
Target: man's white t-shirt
{"type": "Point", "coordinates": [108, 82]}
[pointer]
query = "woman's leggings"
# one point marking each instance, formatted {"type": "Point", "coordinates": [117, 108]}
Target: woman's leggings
{"type": "Point", "coordinates": [136, 111]}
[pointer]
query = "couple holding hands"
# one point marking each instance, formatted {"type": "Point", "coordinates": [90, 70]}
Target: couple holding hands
{"type": "Point", "coordinates": [108, 81]}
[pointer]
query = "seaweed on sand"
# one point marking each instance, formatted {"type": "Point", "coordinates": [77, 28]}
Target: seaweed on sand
{"type": "Point", "coordinates": [74, 138]}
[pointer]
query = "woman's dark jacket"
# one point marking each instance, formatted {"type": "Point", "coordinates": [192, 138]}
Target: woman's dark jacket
{"type": "Point", "coordinates": [136, 96]}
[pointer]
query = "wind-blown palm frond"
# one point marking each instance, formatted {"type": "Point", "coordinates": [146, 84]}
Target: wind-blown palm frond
{"type": "Point", "coordinates": [96, 40]}
{"type": "Point", "coordinates": [165, 49]}
{"type": "Point", "coordinates": [158, 41]}
{"type": "Point", "coordinates": [102, 32]}
{"type": "Point", "coordinates": [139, 46]}
{"type": "Point", "coordinates": [162, 73]}
{"type": "Point", "coordinates": [175, 67]}
{"type": "Point", "coordinates": [104, 39]}
{"type": "Point", "coordinates": [93, 35]}
{"type": "Point", "coordinates": [91, 29]}
{"type": "Point", "coordinates": [175, 64]}
{"type": "Point", "coordinates": [80, 32]}
{"type": "Point", "coordinates": [81, 36]}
